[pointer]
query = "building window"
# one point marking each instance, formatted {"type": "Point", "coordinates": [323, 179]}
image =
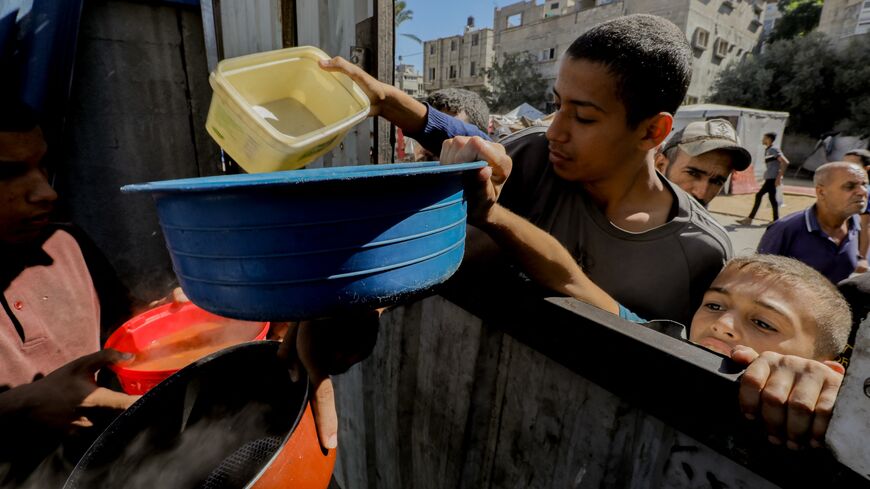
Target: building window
{"type": "Point", "coordinates": [701, 38]}
{"type": "Point", "coordinates": [475, 39]}
{"type": "Point", "coordinates": [431, 73]}
{"type": "Point", "coordinates": [452, 72]}
{"type": "Point", "coordinates": [547, 54]}
{"type": "Point", "coordinates": [690, 100]}
{"type": "Point", "coordinates": [554, 6]}
{"type": "Point", "coordinates": [453, 45]}
{"type": "Point", "coordinates": [515, 20]}
{"type": "Point", "coordinates": [473, 70]}
{"type": "Point", "coordinates": [720, 48]}
{"type": "Point", "coordinates": [432, 48]}
{"type": "Point", "coordinates": [863, 19]}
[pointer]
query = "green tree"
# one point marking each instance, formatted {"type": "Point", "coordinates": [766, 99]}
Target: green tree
{"type": "Point", "coordinates": [853, 84]}
{"type": "Point", "coordinates": [798, 18]}
{"type": "Point", "coordinates": [515, 80]}
{"type": "Point", "coordinates": [822, 89]}
{"type": "Point", "coordinates": [402, 13]}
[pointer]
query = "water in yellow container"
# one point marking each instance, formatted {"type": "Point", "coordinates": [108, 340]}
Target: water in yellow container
{"type": "Point", "coordinates": [278, 110]}
{"type": "Point", "coordinates": [289, 116]}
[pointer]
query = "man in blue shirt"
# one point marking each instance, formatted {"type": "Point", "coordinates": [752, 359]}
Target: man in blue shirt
{"type": "Point", "coordinates": [824, 236]}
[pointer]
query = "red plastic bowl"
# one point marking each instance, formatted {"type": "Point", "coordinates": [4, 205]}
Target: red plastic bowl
{"type": "Point", "coordinates": [138, 333]}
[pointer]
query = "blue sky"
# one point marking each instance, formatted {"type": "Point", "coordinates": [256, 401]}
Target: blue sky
{"type": "Point", "coordinates": [440, 18]}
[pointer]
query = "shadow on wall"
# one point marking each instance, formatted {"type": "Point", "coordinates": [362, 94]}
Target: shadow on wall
{"type": "Point", "coordinates": [139, 101]}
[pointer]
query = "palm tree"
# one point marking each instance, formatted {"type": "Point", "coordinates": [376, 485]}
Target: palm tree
{"type": "Point", "coordinates": [402, 13]}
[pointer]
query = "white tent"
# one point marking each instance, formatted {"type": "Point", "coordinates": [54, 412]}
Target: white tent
{"type": "Point", "coordinates": [524, 110]}
{"type": "Point", "coordinates": [751, 125]}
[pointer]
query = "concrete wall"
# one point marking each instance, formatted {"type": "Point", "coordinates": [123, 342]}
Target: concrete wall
{"type": "Point", "coordinates": [540, 32]}
{"type": "Point", "coordinates": [739, 26]}
{"type": "Point", "coordinates": [139, 100]}
{"type": "Point", "coordinates": [840, 18]}
{"type": "Point", "coordinates": [797, 147]}
{"type": "Point", "coordinates": [736, 22]}
{"type": "Point", "coordinates": [438, 54]}
{"type": "Point", "coordinates": [409, 80]}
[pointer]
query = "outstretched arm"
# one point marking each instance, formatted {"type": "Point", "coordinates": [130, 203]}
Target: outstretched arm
{"type": "Point", "coordinates": [416, 119]}
{"type": "Point", "coordinates": [64, 398]}
{"type": "Point", "coordinates": [538, 253]}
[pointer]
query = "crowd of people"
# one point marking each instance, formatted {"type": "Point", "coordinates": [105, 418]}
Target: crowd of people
{"type": "Point", "coordinates": [572, 202]}
{"type": "Point", "coordinates": [605, 187]}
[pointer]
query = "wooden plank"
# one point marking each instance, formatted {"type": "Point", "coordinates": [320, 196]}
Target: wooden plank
{"type": "Point", "coordinates": [530, 422]}
{"type": "Point", "coordinates": [559, 401]}
{"type": "Point", "coordinates": [639, 363]}
{"type": "Point", "coordinates": [206, 151]}
{"type": "Point", "coordinates": [350, 466]}
{"type": "Point", "coordinates": [132, 124]}
{"type": "Point", "coordinates": [483, 422]}
{"type": "Point", "coordinates": [849, 431]}
{"type": "Point", "coordinates": [288, 23]}
{"type": "Point", "coordinates": [385, 137]}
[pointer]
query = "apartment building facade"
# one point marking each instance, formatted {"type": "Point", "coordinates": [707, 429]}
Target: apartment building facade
{"type": "Point", "coordinates": [720, 31]}
{"type": "Point", "coordinates": [846, 20]}
{"type": "Point", "coordinates": [459, 61]}
{"type": "Point", "coordinates": [409, 80]}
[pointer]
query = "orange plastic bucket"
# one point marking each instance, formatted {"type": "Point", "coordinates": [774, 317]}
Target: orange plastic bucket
{"type": "Point", "coordinates": [168, 338]}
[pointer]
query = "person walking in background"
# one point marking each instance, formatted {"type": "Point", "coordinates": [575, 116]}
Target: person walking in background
{"type": "Point", "coordinates": [825, 235]}
{"type": "Point", "coordinates": [776, 164]}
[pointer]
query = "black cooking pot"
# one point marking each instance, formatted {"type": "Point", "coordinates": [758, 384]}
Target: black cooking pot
{"type": "Point", "coordinates": [231, 420]}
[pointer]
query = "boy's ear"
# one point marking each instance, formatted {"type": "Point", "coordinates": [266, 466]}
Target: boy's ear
{"type": "Point", "coordinates": [656, 130]}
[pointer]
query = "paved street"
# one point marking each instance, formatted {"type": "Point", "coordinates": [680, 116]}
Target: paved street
{"type": "Point", "coordinates": [727, 209]}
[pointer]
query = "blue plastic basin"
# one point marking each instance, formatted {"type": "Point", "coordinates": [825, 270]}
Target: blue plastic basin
{"type": "Point", "coordinates": [313, 243]}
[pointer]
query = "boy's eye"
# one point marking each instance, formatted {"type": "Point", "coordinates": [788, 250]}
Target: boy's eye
{"type": "Point", "coordinates": [763, 325]}
{"type": "Point", "coordinates": [713, 306]}
{"type": "Point", "coordinates": [583, 121]}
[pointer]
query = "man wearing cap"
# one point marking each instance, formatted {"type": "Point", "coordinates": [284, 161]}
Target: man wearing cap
{"type": "Point", "coordinates": [699, 158]}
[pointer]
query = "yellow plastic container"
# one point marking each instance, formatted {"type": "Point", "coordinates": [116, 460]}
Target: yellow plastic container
{"type": "Point", "coordinates": [278, 110]}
